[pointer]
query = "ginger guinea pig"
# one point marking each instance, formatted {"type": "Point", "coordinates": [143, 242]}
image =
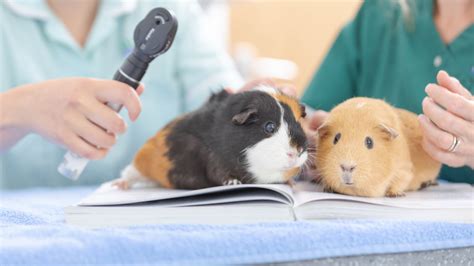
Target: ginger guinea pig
{"type": "Point", "coordinates": [368, 148]}
{"type": "Point", "coordinates": [248, 137]}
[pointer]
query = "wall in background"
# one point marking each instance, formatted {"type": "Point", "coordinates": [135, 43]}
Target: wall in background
{"type": "Point", "coordinates": [298, 30]}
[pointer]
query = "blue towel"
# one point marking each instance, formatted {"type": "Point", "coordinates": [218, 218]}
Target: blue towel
{"type": "Point", "coordinates": [33, 232]}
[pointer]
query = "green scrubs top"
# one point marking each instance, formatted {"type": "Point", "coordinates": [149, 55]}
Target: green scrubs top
{"type": "Point", "coordinates": [382, 54]}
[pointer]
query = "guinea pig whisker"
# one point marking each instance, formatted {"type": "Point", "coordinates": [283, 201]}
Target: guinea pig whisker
{"type": "Point", "coordinates": [246, 179]}
{"type": "Point", "coordinates": [306, 164]}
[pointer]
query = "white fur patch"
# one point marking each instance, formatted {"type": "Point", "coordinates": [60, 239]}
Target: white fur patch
{"type": "Point", "coordinates": [130, 177]}
{"type": "Point", "coordinates": [268, 160]}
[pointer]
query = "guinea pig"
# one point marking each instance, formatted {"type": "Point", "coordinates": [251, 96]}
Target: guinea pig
{"type": "Point", "coordinates": [243, 138]}
{"type": "Point", "coordinates": [368, 148]}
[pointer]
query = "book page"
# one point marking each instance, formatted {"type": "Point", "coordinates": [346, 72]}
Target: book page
{"type": "Point", "coordinates": [445, 195]}
{"type": "Point", "coordinates": [108, 195]}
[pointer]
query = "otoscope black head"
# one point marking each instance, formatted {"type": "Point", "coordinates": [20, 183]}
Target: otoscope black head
{"type": "Point", "coordinates": [154, 34]}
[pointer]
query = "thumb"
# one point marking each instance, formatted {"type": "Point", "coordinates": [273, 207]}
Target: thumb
{"type": "Point", "coordinates": [140, 89]}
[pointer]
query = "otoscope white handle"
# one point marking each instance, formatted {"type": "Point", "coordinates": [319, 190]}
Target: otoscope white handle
{"type": "Point", "coordinates": [73, 164]}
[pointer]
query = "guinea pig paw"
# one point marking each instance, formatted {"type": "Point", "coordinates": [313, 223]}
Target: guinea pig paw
{"type": "Point", "coordinates": [232, 182]}
{"type": "Point", "coordinates": [428, 184]}
{"type": "Point", "coordinates": [392, 194]}
{"type": "Point", "coordinates": [121, 184]}
{"type": "Point", "coordinates": [328, 190]}
{"type": "Point", "coordinates": [291, 182]}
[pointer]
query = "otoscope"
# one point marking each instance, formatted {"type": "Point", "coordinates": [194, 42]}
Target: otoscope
{"type": "Point", "coordinates": [152, 36]}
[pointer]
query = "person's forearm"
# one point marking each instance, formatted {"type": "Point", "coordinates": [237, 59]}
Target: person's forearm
{"type": "Point", "coordinates": [9, 137]}
{"type": "Point", "coordinates": [11, 128]}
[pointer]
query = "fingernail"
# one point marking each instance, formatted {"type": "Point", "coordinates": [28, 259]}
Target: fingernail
{"type": "Point", "coordinates": [429, 99]}
{"type": "Point", "coordinates": [421, 118]}
{"type": "Point", "coordinates": [425, 100]}
{"type": "Point", "coordinates": [427, 88]}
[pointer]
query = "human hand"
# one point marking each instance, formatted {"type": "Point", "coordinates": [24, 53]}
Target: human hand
{"type": "Point", "coordinates": [72, 112]}
{"type": "Point", "coordinates": [316, 119]}
{"type": "Point", "coordinates": [448, 117]}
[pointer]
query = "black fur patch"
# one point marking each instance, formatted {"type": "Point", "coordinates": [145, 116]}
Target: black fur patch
{"type": "Point", "coordinates": [297, 135]}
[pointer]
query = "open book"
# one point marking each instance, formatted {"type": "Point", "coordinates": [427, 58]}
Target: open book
{"type": "Point", "coordinates": [109, 206]}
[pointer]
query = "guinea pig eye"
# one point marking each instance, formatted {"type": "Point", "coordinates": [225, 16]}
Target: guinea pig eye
{"type": "Point", "coordinates": [337, 138]}
{"type": "Point", "coordinates": [369, 143]}
{"type": "Point", "coordinates": [269, 127]}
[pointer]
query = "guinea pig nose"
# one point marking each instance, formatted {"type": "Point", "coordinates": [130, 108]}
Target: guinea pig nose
{"type": "Point", "coordinates": [291, 154]}
{"type": "Point", "coordinates": [347, 168]}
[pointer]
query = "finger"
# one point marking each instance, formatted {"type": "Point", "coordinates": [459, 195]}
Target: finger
{"type": "Point", "coordinates": [452, 84]}
{"type": "Point", "coordinates": [288, 89]}
{"type": "Point", "coordinates": [453, 102]}
{"type": "Point", "coordinates": [444, 119]}
{"type": "Point", "coordinates": [440, 138]}
{"type": "Point", "coordinates": [317, 119]}
{"type": "Point", "coordinates": [104, 117]}
{"type": "Point", "coordinates": [231, 90]}
{"type": "Point", "coordinates": [118, 92]}
{"type": "Point", "coordinates": [140, 89]}
{"type": "Point", "coordinates": [254, 83]}
{"type": "Point", "coordinates": [450, 159]}
{"type": "Point", "coordinates": [80, 147]}
{"type": "Point", "coordinates": [90, 132]}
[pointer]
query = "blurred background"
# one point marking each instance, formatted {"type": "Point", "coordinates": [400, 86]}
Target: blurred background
{"type": "Point", "coordinates": [283, 39]}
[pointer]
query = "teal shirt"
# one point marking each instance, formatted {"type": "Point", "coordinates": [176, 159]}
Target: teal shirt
{"type": "Point", "coordinates": [379, 54]}
{"type": "Point", "coordinates": [35, 46]}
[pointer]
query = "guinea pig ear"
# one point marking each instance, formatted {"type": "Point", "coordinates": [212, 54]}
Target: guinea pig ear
{"type": "Point", "coordinates": [303, 110]}
{"type": "Point", "coordinates": [247, 116]}
{"type": "Point", "coordinates": [323, 130]}
{"type": "Point", "coordinates": [217, 97]}
{"type": "Point", "coordinates": [391, 133]}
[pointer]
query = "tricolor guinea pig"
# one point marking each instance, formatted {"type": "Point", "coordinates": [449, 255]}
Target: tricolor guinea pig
{"type": "Point", "coordinates": [368, 148]}
{"type": "Point", "coordinates": [248, 137]}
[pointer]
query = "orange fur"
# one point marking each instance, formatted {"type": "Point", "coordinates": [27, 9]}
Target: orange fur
{"type": "Point", "coordinates": [292, 103]}
{"type": "Point", "coordinates": [425, 168]}
{"type": "Point", "coordinates": [397, 163]}
{"type": "Point", "coordinates": [152, 161]}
